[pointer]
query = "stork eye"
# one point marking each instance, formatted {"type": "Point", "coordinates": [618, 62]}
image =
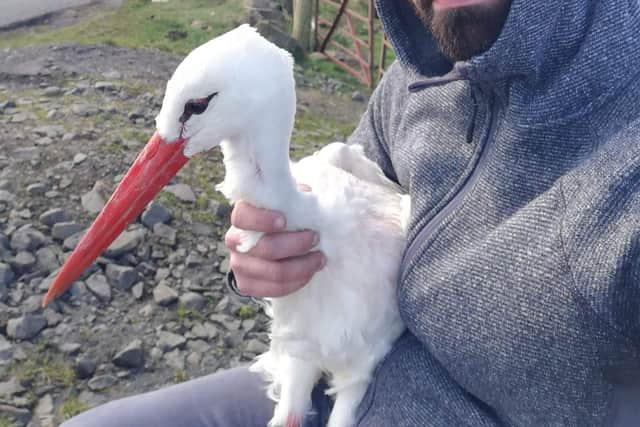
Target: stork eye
{"type": "Point", "coordinates": [195, 106]}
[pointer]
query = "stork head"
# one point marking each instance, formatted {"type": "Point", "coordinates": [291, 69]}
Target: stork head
{"type": "Point", "coordinates": [224, 87]}
{"type": "Point", "coordinates": [220, 90]}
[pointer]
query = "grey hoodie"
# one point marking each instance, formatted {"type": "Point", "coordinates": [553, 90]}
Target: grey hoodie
{"type": "Point", "coordinates": [520, 285]}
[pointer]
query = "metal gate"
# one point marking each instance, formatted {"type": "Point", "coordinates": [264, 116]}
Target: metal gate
{"type": "Point", "coordinates": [349, 38]}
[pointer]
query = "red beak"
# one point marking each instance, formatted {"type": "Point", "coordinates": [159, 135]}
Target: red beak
{"type": "Point", "coordinates": [156, 164]}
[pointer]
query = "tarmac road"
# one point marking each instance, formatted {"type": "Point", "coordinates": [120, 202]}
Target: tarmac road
{"type": "Point", "coordinates": [13, 12]}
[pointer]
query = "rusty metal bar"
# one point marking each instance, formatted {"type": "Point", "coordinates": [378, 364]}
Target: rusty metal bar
{"type": "Point", "coordinates": [354, 36]}
{"type": "Point", "coordinates": [347, 67]}
{"type": "Point", "coordinates": [349, 11]}
{"type": "Point", "coordinates": [361, 51]}
{"type": "Point", "coordinates": [371, 44]}
{"type": "Point", "coordinates": [346, 50]}
{"type": "Point", "coordinates": [343, 6]}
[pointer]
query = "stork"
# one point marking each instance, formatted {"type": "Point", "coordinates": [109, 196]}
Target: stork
{"type": "Point", "coordinates": [238, 91]}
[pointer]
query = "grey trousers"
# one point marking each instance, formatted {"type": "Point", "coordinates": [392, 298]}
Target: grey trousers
{"type": "Point", "coordinates": [233, 398]}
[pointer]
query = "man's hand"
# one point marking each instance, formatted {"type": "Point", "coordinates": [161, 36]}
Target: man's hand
{"type": "Point", "coordinates": [280, 263]}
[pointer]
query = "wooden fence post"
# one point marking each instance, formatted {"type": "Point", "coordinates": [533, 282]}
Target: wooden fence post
{"type": "Point", "coordinates": [302, 11]}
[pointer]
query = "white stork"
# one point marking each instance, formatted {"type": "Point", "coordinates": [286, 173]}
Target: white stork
{"type": "Point", "coordinates": [238, 91]}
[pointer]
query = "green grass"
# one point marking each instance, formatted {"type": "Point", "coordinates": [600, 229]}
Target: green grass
{"type": "Point", "coordinates": [313, 130]}
{"type": "Point", "coordinates": [185, 313]}
{"type": "Point", "coordinates": [246, 312]}
{"type": "Point", "coordinates": [180, 376]}
{"type": "Point", "coordinates": [43, 367]}
{"type": "Point", "coordinates": [5, 422]}
{"type": "Point", "coordinates": [72, 407]}
{"type": "Point", "coordinates": [166, 26]}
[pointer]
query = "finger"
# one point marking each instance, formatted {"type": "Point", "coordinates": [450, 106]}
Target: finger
{"type": "Point", "coordinates": [248, 217]}
{"type": "Point", "coordinates": [263, 289]}
{"type": "Point", "coordinates": [283, 275]}
{"type": "Point", "coordinates": [288, 244]}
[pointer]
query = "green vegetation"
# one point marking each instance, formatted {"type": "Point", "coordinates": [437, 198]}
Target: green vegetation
{"type": "Point", "coordinates": [72, 407]}
{"type": "Point", "coordinates": [246, 312]}
{"type": "Point", "coordinates": [180, 376]}
{"type": "Point", "coordinates": [43, 367]}
{"type": "Point", "coordinates": [185, 313]}
{"type": "Point", "coordinates": [172, 26]}
{"type": "Point", "coordinates": [5, 422]}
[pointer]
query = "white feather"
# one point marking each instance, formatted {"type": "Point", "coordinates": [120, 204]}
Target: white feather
{"type": "Point", "coordinates": [345, 320]}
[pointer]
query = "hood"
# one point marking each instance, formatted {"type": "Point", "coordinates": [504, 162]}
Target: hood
{"type": "Point", "coordinates": [586, 48]}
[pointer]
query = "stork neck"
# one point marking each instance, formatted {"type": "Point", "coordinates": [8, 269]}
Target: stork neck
{"type": "Point", "coordinates": [258, 169]}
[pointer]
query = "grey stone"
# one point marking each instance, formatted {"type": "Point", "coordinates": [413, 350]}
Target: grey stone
{"type": "Point", "coordinates": [101, 382]}
{"type": "Point", "coordinates": [112, 75]}
{"type": "Point", "coordinates": [138, 290]}
{"type": "Point", "coordinates": [92, 201]}
{"type": "Point", "coordinates": [20, 415]}
{"type": "Point", "coordinates": [167, 234]}
{"type": "Point", "coordinates": [26, 327]}
{"type": "Point", "coordinates": [26, 153]}
{"type": "Point", "coordinates": [357, 97]}
{"type": "Point", "coordinates": [47, 259]}
{"type": "Point", "coordinates": [6, 197]}
{"type": "Point", "coordinates": [53, 317]}
{"type": "Point", "coordinates": [205, 330]}
{"type": "Point", "coordinates": [220, 209]}
{"type": "Point", "coordinates": [126, 242]}
{"type": "Point", "coordinates": [70, 347]}
{"type": "Point", "coordinates": [154, 214]}
{"type": "Point", "coordinates": [130, 357]}
{"type": "Point", "coordinates": [85, 368]}
{"type": "Point", "coordinates": [256, 346]}
{"type": "Point", "coordinates": [98, 285]}
{"type": "Point", "coordinates": [4, 292]}
{"type": "Point", "coordinates": [71, 242]}
{"type": "Point", "coordinates": [79, 158]}
{"type": "Point", "coordinates": [6, 275]}
{"type": "Point", "coordinates": [164, 295]}
{"type": "Point", "coordinates": [194, 359]}
{"type": "Point", "coordinates": [182, 192]}
{"type": "Point", "coordinates": [6, 350]}
{"type": "Point", "coordinates": [7, 104]}
{"type": "Point", "coordinates": [32, 304]}
{"type": "Point", "coordinates": [23, 262]}
{"type": "Point", "coordinates": [193, 300]}
{"type": "Point", "coordinates": [27, 239]}
{"type": "Point", "coordinates": [45, 412]}
{"type": "Point", "coordinates": [175, 359]}
{"type": "Point", "coordinates": [156, 354]}
{"type": "Point", "coordinates": [106, 86]}
{"type": "Point", "coordinates": [62, 230]}
{"type": "Point", "coordinates": [52, 131]}
{"type": "Point", "coordinates": [52, 91]}
{"type": "Point", "coordinates": [19, 118]}
{"type": "Point", "coordinates": [44, 141]}
{"type": "Point", "coordinates": [193, 260]}
{"type": "Point", "coordinates": [147, 310]}
{"type": "Point", "coordinates": [37, 188]}
{"type": "Point", "coordinates": [53, 216]}
{"type": "Point", "coordinates": [122, 277]}
{"type": "Point", "coordinates": [84, 110]}
{"type": "Point", "coordinates": [10, 388]}
{"type": "Point", "coordinates": [168, 341]}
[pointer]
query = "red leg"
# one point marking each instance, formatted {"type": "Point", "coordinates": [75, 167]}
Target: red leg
{"type": "Point", "coordinates": [292, 421]}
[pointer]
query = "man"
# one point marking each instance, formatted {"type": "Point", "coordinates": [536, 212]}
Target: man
{"type": "Point", "coordinates": [514, 126]}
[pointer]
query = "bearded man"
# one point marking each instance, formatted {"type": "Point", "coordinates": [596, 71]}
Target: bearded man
{"type": "Point", "coordinates": [514, 126]}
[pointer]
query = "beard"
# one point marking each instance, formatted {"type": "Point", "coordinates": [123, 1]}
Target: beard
{"type": "Point", "coordinates": [464, 32]}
